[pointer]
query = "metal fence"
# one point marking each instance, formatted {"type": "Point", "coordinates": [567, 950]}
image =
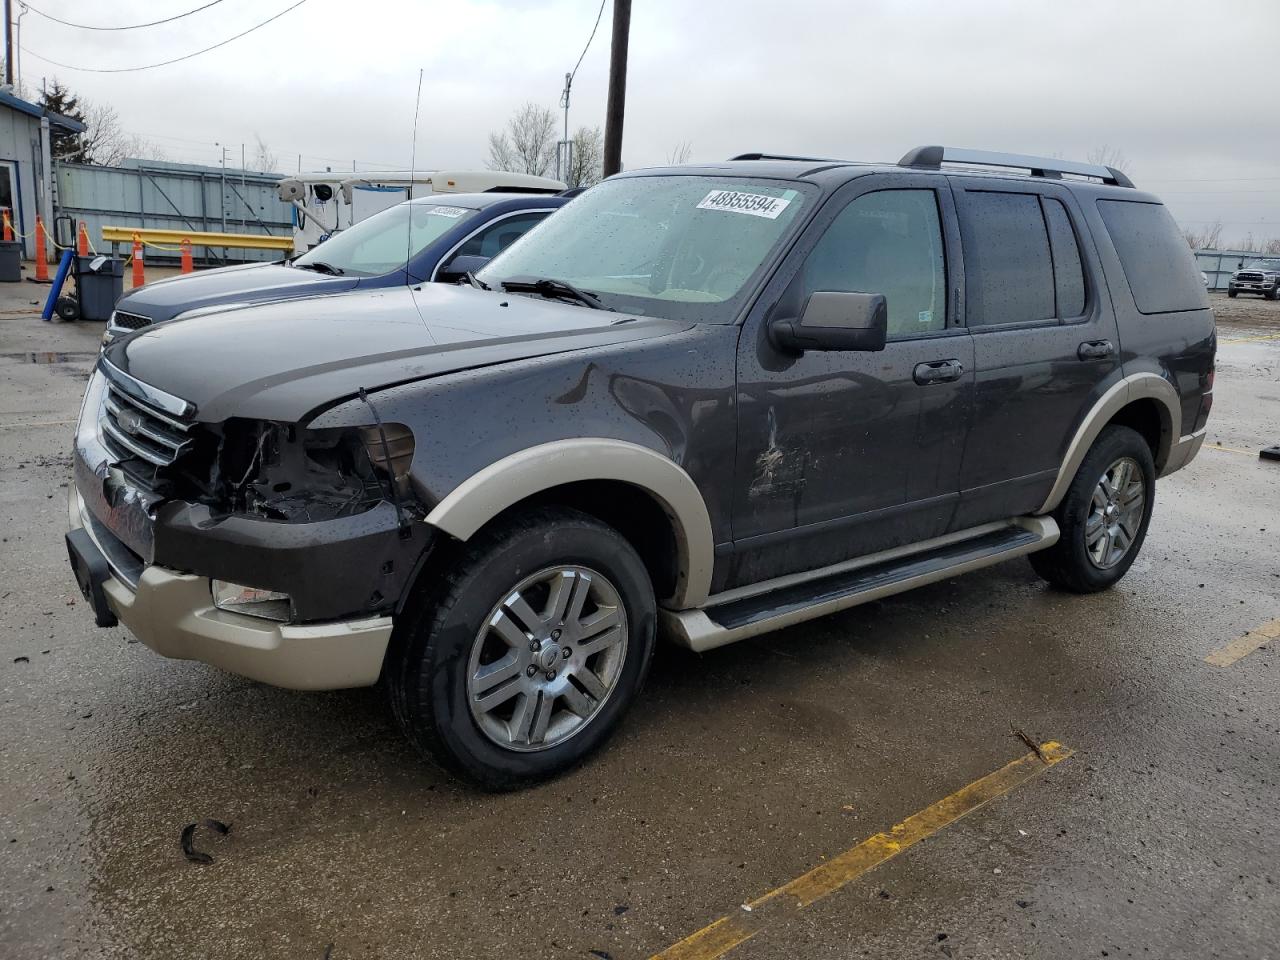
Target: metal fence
{"type": "Point", "coordinates": [153, 193]}
{"type": "Point", "coordinates": [1218, 265]}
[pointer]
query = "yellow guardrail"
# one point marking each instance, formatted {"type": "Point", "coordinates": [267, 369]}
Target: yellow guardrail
{"type": "Point", "coordinates": [154, 237]}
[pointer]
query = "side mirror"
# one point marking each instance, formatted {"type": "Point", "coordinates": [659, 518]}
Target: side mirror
{"type": "Point", "coordinates": [835, 321]}
{"type": "Point", "coordinates": [460, 266]}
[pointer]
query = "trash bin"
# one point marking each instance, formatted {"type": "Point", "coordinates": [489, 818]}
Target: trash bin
{"type": "Point", "coordinates": [99, 283]}
{"type": "Point", "coordinates": [10, 261]}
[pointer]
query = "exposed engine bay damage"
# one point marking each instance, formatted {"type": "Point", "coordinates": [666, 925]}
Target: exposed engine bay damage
{"type": "Point", "coordinates": [280, 471]}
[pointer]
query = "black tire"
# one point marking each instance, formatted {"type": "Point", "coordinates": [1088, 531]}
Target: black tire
{"type": "Point", "coordinates": [67, 309]}
{"type": "Point", "coordinates": [1068, 563]}
{"type": "Point", "coordinates": [1232, 293]}
{"type": "Point", "coordinates": [1274, 294]}
{"type": "Point", "coordinates": [428, 662]}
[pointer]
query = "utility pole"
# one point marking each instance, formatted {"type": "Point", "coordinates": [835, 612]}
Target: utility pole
{"type": "Point", "coordinates": [8, 42]}
{"type": "Point", "coordinates": [617, 88]}
{"type": "Point", "coordinates": [564, 147]}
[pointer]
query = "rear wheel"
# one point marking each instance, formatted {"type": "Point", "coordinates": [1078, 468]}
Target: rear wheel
{"type": "Point", "coordinates": [524, 658]}
{"type": "Point", "coordinates": [1104, 516]}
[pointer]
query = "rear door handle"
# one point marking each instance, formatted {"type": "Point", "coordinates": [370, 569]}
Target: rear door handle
{"type": "Point", "coordinates": [938, 371]}
{"type": "Point", "coordinates": [1095, 349]}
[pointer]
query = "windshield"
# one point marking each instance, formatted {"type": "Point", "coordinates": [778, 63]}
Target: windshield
{"type": "Point", "coordinates": [684, 247]}
{"type": "Point", "coordinates": [1264, 265]}
{"type": "Point", "coordinates": [378, 245]}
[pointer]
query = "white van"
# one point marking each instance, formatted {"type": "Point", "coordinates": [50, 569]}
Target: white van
{"type": "Point", "coordinates": [325, 203]}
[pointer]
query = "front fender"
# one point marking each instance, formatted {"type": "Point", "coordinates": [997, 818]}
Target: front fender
{"type": "Point", "coordinates": [502, 484]}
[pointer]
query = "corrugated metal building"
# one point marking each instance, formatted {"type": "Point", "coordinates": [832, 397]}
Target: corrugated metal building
{"type": "Point", "coordinates": [26, 186]}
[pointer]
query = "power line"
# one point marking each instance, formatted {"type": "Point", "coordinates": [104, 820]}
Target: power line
{"type": "Point", "coordinates": [165, 63]}
{"type": "Point", "coordinates": [599, 14]}
{"type": "Point", "coordinates": [132, 26]}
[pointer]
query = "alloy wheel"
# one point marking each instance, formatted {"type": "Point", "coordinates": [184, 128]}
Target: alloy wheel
{"type": "Point", "coordinates": [547, 658]}
{"type": "Point", "coordinates": [1115, 513]}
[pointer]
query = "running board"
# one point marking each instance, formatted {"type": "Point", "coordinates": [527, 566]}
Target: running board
{"type": "Point", "coordinates": [739, 614]}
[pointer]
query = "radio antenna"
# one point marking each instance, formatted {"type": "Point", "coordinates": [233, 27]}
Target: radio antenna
{"type": "Point", "coordinates": [413, 164]}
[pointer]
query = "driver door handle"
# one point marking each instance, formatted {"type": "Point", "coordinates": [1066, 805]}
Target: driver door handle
{"type": "Point", "coordinates": [938, 371]}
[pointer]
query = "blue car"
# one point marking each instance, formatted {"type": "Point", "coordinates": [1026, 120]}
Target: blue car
{"type": "Point", "coordinates": [436, 231]}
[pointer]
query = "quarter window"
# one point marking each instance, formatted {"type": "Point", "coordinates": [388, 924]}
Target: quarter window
{"type": "Point", "coordinates": [888, 242]}
{"type": "Point", "coordinates": [1007, 259]}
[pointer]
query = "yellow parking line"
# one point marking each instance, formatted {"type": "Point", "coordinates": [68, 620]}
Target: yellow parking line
{"type": "Point", "coordinates": [1229, 653]}
{"type": "Point", "coordinates": [1218, 446]}
{"type": "Point", "coordinates": [1265, 336]}
{"type": "Point", "coordinates": [720, 937]}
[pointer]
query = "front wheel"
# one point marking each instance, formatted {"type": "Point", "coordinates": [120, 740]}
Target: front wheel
{"type": "Point", "coordinates": [1232, 294]}
{"type": "Point", "coordinates": [1104, 516]}
{"type": "Point", "coordinates": [524, 657]}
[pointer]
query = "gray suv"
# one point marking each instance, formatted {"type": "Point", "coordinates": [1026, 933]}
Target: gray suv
{"type": "Point", "coordinates": [702, 402]}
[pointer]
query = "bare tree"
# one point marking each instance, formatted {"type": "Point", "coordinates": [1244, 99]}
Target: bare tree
{"type": "Point", "coordinates": [528, 145]}
{"type": "Point", "coordinates": [1109, 156]}
{"type": "Point", "coordinates": [264, 158]}
{"type": "Point", "coordinates": [587, 162]}
{"type": "Point", "coordinates": [680, 153]}
{"type": "Point", "coordinates": [1203, 237]}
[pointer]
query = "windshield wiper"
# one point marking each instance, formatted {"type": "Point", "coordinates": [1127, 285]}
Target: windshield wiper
{"type": "Point", "coordinates": [554, 289]}
{"type": "Point", "coordinates": [319, 266]}
{"type": "Point", "coordinates": [475, 281]}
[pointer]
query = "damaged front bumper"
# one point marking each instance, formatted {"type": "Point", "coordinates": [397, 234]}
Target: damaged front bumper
{"type": "Point", "coordinates": [173, 614]}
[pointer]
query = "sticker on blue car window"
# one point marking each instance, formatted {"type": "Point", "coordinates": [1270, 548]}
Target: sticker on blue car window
{"type": "Point", "coordinates": [451, 212]}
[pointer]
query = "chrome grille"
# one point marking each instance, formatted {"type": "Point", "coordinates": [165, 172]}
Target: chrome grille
{"type": "Point", "coordinates": [130, 321]}
{"type": "Point", "coordinates": [1250, 277]}
{"type": "Point", "coordinates": [131, 428]}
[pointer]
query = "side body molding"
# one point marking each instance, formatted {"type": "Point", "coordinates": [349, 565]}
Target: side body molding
{"type": "Point", "coordinates": [1137, 386]}
{"type": "Point", "coordinates": [500, 485]}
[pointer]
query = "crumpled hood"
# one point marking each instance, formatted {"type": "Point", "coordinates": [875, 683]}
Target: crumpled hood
{"type": "Point", "coordinates": [165, 299]}
{"type": "Point", "coordinates": [283, 360]}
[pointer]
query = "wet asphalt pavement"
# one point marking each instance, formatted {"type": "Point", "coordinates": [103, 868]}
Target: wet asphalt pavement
{"type": "Point", "coordinates": [737, 770]}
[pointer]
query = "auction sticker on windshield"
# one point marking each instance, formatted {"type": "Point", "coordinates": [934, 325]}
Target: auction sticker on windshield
{"type": "Point", "coordinates": [451, 212]}
{"type": "Point", "coordinates": [754, 204]}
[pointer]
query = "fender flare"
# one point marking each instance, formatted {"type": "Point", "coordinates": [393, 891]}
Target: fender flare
{"type": "Point", "coordinates": [502, 484]}
{"type": "Point", "coordinates": [1120, 394]}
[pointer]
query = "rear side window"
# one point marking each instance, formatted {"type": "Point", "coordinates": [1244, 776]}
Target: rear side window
{"type": "Point", "coordinates": [1006, 252]}
{"type": "Point", "coordinates": [1157, 262]}
{"type": "Point", "coordinates": [1068, 274]}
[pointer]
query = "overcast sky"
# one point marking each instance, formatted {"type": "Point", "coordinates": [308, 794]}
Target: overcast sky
{"type": "Point", "coordinates": [1189, 91]}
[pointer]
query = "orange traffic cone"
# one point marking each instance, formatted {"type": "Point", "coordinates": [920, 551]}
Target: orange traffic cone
{"type": "Point", "coordinates": [42, 259]}
{"type": "Point", "coordinates": [8, 226]}
{"type": "Point", "coordinates": [82, 240]}
{"type": "Point", "coordinates": [139, 277]}
{"type": "Point", "coordinates": [187, 265]}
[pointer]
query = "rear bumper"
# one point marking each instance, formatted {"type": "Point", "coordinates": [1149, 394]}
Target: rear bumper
{"type": "Point", "coordinates": [173, 614]}
{"type": "Point", "coordinates": [1183, 452]}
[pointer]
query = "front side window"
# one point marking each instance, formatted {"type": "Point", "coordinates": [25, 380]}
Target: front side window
{"type": "Point", "coordinates": [496, 237]}
{"type": "Point", "coordinates": [1006, 258]}
{"type": "Point", "coordinates": [888, 242]}
{"type": "Point", "coordinates": [387, 240]}
{"type": "Point", "coordinates": [683, 247]}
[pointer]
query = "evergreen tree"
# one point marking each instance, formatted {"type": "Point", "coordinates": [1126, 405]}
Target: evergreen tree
{"type": "Point", "coordinates": [65, 144]}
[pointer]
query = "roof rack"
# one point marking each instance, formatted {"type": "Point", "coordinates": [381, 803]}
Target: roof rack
{"type": "Point", "coordinates": [932, 158]}
{"type": "Point", "coordinates": [783, 156]}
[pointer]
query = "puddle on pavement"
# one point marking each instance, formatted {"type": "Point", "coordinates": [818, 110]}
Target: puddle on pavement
{"type": "Point", "coordinates": [50, 356]}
